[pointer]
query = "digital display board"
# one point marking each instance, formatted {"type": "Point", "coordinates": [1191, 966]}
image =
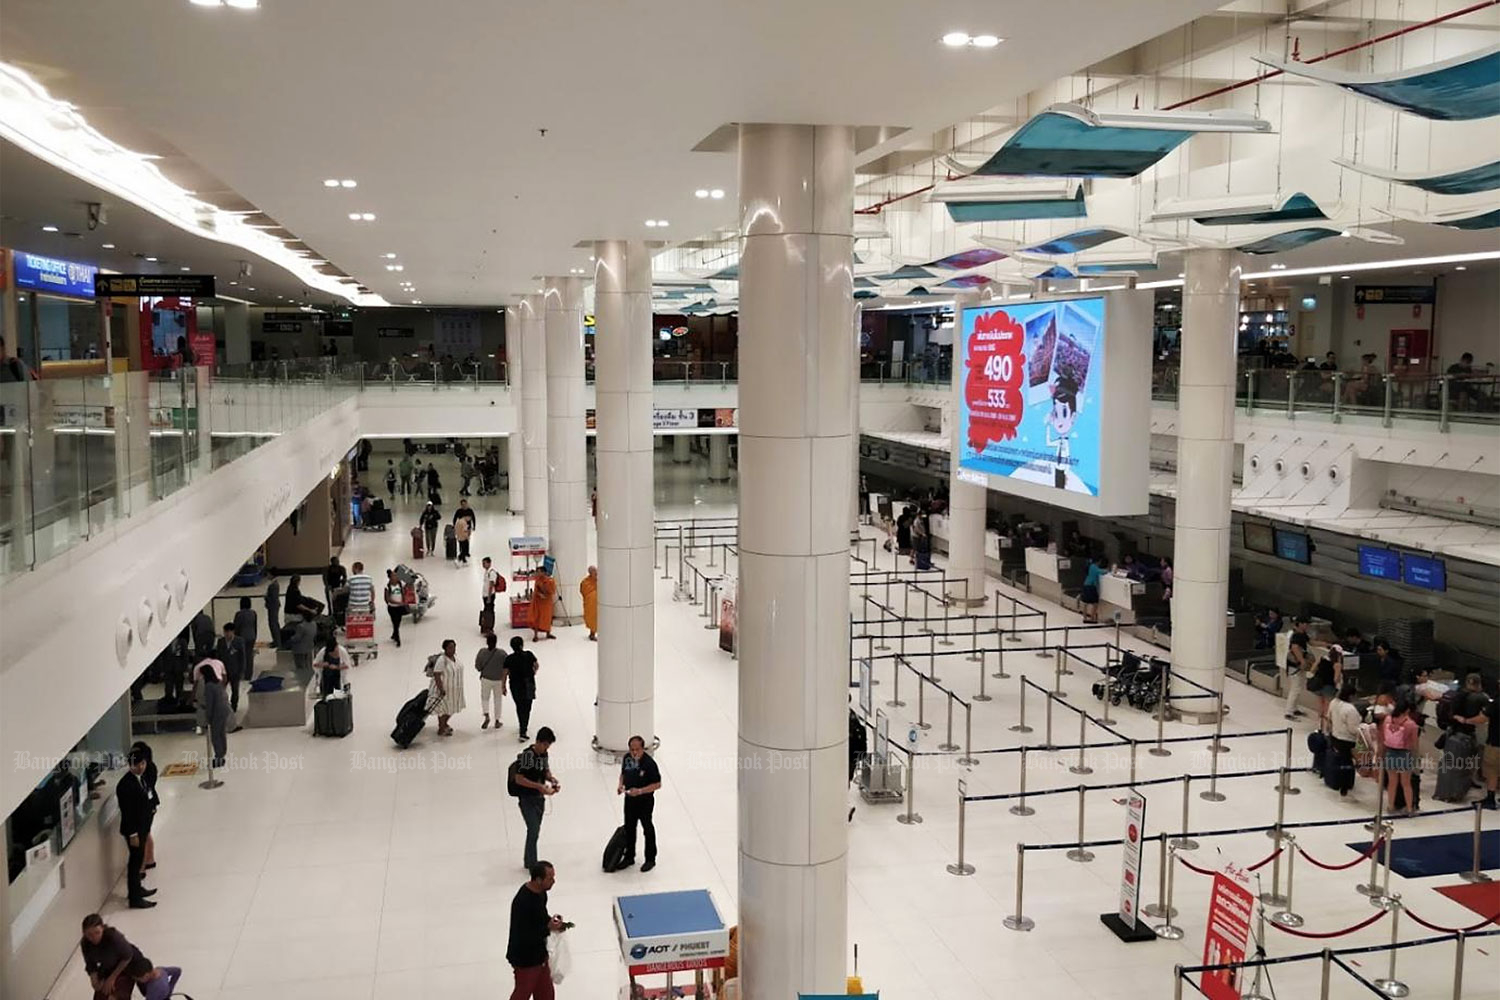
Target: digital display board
{"type": "Point", "coordinates": [1420, 571]}
{"type": "Point", "coordinates": [1053, 399]}
{"type": "Point", "coordinates": [1293, 545]}
{"type": "Point", "coordinates": [1259, 537]}
{"type": "Point", "coordinates": [1379, 562]}
{"type": "Point", "coordinates": [47, 274]}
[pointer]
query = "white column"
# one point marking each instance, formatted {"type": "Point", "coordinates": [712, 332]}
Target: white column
{"type": "Point", "coordinates": [858, 323]}
{"type": "Point", "coordinates": [623, 450]}
{"type": "Point", "coordinates": [682, 449]}
{"type": "Point", "coordinates": [533, 344]}
{"type": "Point", "coordinates": [1205, 466]}
{"type": "Point", "coordinates": [796, 418]}
{"type": "Point", "coordinates": [567, 472]}
{"type": "Point", "coordinates": [515, 498]}
{"type": "Point", "coordinates": [966, 501]}
{"type": "Point", "coordinates": [718, 458]}
{"type": "Point", "coordinates": [236, 333]}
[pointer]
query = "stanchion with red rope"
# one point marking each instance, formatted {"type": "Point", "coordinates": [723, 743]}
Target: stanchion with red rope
{"type": "Point", "coordinates": [1374, 846]}
{"type": "Point", "coordinates": [1324, 935]}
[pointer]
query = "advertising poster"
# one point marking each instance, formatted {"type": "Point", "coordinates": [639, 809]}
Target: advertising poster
{"type": "Point", "coordinates": [726, 617]}
{"type": "Point", "coordinates": [1130, 876]}
{"type": "Point", "coordinates": [866, 688]}
{"type": "Point", "coordinates": [1227, 934]}
{"type": "Point", "coordinates": [1031, 401]}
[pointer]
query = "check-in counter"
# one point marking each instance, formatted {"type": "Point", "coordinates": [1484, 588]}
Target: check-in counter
{"type": "Point", "coordinates": [1117, 595]}
{"type": "Point", "coordinates": [1051, 575]}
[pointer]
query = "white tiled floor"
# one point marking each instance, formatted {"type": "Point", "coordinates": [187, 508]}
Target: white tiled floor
{"type": "Point", "coordinates": [320, 871]}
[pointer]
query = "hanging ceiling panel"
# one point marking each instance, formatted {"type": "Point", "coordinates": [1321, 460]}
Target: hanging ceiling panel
{"type": "Point", "coordinates": [1290, 240]}
{"type": "Point", "coordinates": [1082, 239]}
{"type": "Point", "coordinates": [1468, 180]}
{"type": "Point", "coordinates": [966, 260]}
{"type": "Point", "coordinates": [1297, 207]}
{"type": "Point", "coordinates": [909, 273]}
{"type": "Point", "coordinates": [967, 281]}
{"type": "Point", "coordinates": [1463, 88]}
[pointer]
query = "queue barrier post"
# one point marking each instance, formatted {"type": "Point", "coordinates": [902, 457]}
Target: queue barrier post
{"type": "Point", "coordinates": [1018, 921]}
{"type": "Point", "coordinates": [961, 867]}
{"type": "Point", "coordinates": [1177, 981]}
{"type": "Point", "coordinates": [1281, 786]}
{"type": "Point", "coordinates": [911, 817]}
{"type": "Point", "coordinates": [1022, 727]}
{"type": "Point", "coordinates": [968, 759]}
{"type": "Point", "coordinates": [1169, 931]}
{"type": "Point", "coordinates": [1389, 984]}
{"type": "Point", "coordinates": [1163, 905]}
{"type": "Point", "coordinates": [1217, 746]}
{"type": "Point", "coordinates": [1371, 888]}
{"type": "Point", "coordinates": [1041, 650]}
{"type": "Point", "coordinates": [905, 605]}
{"type": "Point", "coordinates": [1021, 808]}
{"type": "Point", "coordinates": [974, 652]}
{"type": "Point", "coordinates": [1160, 749]}
{"type": "Point", "coordinates": [1047, 743]}
{"type": "Point", "coordinates": [947, 628]}
{"type": "Point", "coordinates": [1109, 677]}
{"type": "Point", "coordinates": [1286, 916]}
{"type": "Point", "coordinates": [1080, 853]}
{"type": "Point", "coordinates": [1081, 767]}
{"type": "Point", "coordinates": [922, 722]}
{"type": "Point", "coordinates": [211, 782]}
{"type": "Point", "coordinates": [1014, 636]}
{"type": "Point", "coordinates": [1000, 673]}
{"type": "Point", "coordinates": [926, 612]}
{"type": "Point", "coordinates": [1062, 658]}
{"type": "Point", "coordinates": [1375, 824]}
{"type": "Point", "coordinates": [1458, 965]}
{"type": "Point", "coordinates": [1212, 794]}
{"type": "Point", "coordinates": [1274, 897]}
{"type": "Point", "coordinates": [1057, 659]}
{"type": "Point", "coordinates": [948, 745]}
{"type": "Point", "coordinates": [1325, 980]}
{"type": "Point", "coordinates": [932, 659]}
{"type": "Point", "coordinates": [1474, 874]}
{"type": "Point", "coordinates": [1133, 748]}
{"type": "Point", "coordinates": [1386, 900]}
{"type": "Point", "coordinates": [895, 701]}
{"type": "Point", "coordinates": [1183, 842]}
{"type": "Point", "coordinates": [981, 696]}
{"type": "Point", "coordinates": [1286, 772]}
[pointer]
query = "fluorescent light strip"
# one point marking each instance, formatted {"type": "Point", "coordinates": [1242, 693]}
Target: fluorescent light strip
{"type": "Point", "coordinates": [1373, 265]}
{"type": "Point", "coordinates": [54, 131]}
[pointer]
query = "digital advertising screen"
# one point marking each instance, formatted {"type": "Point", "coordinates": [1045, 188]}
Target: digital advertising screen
{"type": "Point", "coordinates": [1380, 563]}
{"type": "Point", "coordinates": [1420, 571]}
{"type": "Point", "coordinates": [1293, 545]}
{"type": "Point", "coordinates": [1042, 414]}
{"type": "Point", "coordinates": [1259, 537]}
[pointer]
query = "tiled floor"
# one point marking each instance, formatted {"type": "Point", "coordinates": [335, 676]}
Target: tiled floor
{"type": "Point", "coordinates": [344, 870]}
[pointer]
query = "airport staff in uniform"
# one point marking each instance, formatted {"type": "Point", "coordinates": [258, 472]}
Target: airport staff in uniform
{"type": "Point", "coordinates": [135, 826]}
{"type": "Point", "coordinates": [640, 779]}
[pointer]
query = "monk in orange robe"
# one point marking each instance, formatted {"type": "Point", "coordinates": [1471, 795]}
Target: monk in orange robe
{"type": "Point", "coordinates": [589, 588]}
{"type": "Point", "coordinates": [543, 598]}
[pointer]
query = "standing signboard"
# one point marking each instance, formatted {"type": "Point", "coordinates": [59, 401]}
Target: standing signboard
{"type": "Point", "coordinates": [1227, 934]}
{"type": "Point", "coordinates": [866, 688]}
{"type": "Point", "coordinates": [1125, 921]}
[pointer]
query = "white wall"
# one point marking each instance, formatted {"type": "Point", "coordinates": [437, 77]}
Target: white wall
{"type": "Point", "coordinates": [1468, 316]}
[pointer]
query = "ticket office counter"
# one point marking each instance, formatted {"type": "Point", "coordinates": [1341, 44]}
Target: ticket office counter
{"type": "Point", "coordinates": [1053, 576]}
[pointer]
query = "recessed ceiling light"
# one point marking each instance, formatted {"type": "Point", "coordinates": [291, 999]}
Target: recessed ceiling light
{"type": "Point", "coordinates": [956, 39]}
{"type": "Point", "coordinates": [661, 223]}
{"type": "Point", "coordinates": [390, 256]}
{"type": "Point", "coordinates": [243, 4]}
{"type": "Point", "coordinates": [184, 268]}
{"type": "Point", "coordinates": [701, 193]}
{"type": "Point", "coordinates": [108, 246]}
{"type": "Point", "coordinates": [233, 283]}
{"type": "Point", "coordinates": [716, 193]}
{"type": "Point", "coordinates": [1343, 277]}
{"type": "Point", "coordinates": [353, 216]}
{"type": "Point", "coordinates": [331, 182]}
{"type": "Point", "coordinates": [985, 41]}
{"type": "Point", "coordinates": [1460, 268]}
{"type": "Point", "coordinates": [367, 216]}
{"type": "Point", "coordinates": [416, 302]}
{"type": "Point", "coordinates": [206, 3]}
{"type": "Point", "coordinates": [650, 224]}
{"type": "Point", "coordinates": [348, 183]}
{"type": "Point", "coordinates": [151, 260]}
{"type": "Point", "coordinates": [49, 229]}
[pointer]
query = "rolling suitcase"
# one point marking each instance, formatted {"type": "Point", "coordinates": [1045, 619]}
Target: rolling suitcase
{"type": "Point", "coordinates": [1317, 745]}
{"type": "Point", "coordinates": [486, 620]}
{"type": "Point", "coordinates": [416, 542]}
{"type": "Point", "coordinates": [616, 849]}
{"type": "Point", "coordinates": [1455, 768]}
{"type": "Point", "coordinates": [450, 543]}
{"type": "Point", "coordinates": [410, 720]}
{"type": "Point", "coordinates": [334, 717]}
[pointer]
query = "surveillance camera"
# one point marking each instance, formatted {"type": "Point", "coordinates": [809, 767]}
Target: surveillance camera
{"type": "Point", "coordinates": [98, 215]}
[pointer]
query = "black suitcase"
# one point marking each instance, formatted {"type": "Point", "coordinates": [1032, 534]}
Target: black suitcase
{"type": "Point", "coordinates": [410, 720]}
{"type": "Point", "coordinates": [334, 717]}
{"type": "Point", "coordinates": [1416, 792]}
{"type": "Point", "coordinates": [1317, 745]}
{"type": "Point", "coordinates": [1456, 767]}
{"type": "Point", "coordinates": [450, 543]}
{"type": "Point", "coordinates": [486, 620]}
{"type": "Point", "coordinates": [616, 849]}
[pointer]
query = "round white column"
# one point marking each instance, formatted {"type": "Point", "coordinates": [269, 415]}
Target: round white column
{"type": "Point", "coordinates": [682, 448]}
{"type": "Point", "coordinates": [623, 450]}
{"type": "Point", "coordinates": [966, 501]}
{"type": "Point", "coordinates": [515, 377]}
{"type": "Point", "coordinates": [796, 418]}
{"type": "Point", "coordinates": [1205, 466]}
{"type": "Point", "coordinates": [567, 471]}
{"type": "Point", "coordinates": [718, 458]}
{"type": "Point", "coordinates": [533, 344]}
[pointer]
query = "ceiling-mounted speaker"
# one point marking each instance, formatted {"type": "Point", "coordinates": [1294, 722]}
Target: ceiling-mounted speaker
{"type": "Point", "coordinates": [1307, 471]}
{"type": "Point", "coordinates": [144, 616]}
{"type": "Point", "coordinates": [1280, 467]}
{"type": "Point", "coordinates": [1335, 473]}
{"type": "Point", "coordinates": [124, 635]}
{"type": "Point", "coordinates": [1254, 463]}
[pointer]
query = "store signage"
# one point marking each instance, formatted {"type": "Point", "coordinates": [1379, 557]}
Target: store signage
{"type": "Point", "coordinates": [82, 415]}
{"type": "Point", "coordinates": [678, 952]}
{"type": "Point", "coordinates": [296, 317]}
{"type": "Point", "coordinates": [1420, 571]}
{"type": "Point", "coordinates": [1130, 876]}
{"type": "Point", "coordinates": [281, 328]}
{"type": "Point", "coordinates": [1402, 295]}
{"type": "Point", "coordinates": [395, 332]}
{"type": "Point", "coordinates": [674, 419]}
{"type": "Point", "coordinates": [1383, 564]}
{"type": "Point", "coordinates": [141, 286]}
{"type": "Point", "coordinates": [527, 545]}
{"type": "Point", "coordinates": [1227, 934]}
{"type": "Point", "coordinates": [973, 478]}
{"type": "Point", "coordinates": [47, 274]}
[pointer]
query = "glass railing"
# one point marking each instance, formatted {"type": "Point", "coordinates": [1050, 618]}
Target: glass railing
{"type": "Point", "coordinates": [1443, 399]}
{"type": "Point", "coordinates": [80, 454]}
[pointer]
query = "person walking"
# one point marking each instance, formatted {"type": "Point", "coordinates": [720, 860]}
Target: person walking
{"type": "Point", "coordinates": [214, 705]}
{"type": "Point", "coordinates": [461, 532]}
{"type": "Point", "coordinates": [391, 478]}
{"type": "Point", "coordinates": [273, 609]}
{"type": "Point", "coordinates": [395, 604]}
{"type": "Point", "coordinates": [530, 781]}
{"type": "Point", "coordinates": [405, 469]}
{"type": "Point", "coordinates": [115, 966]}
{"type": "Point", "coordinates": [230, 651]}
{"type": "Point", "coordinates": [490, 663]}
{"type": "Point", "coordinates": [520, 677]}
{"type": "Point", "coordinates": [588, 589]}
{"type": "Point", "coordinates": [466, 472]}
{"type": "Point", "coordinates": [334, 662]}
{"type": "Point", "coordinates": [465, 513]}
{"type": "Point", "coordinates": [530, 924]}
{"type": "Point", "coordinates": [543, 599]}
{"type": "Point", "coordinates": [430, 519]}
{"type": "Point", "coordinates": [1298, 661]}
{"type": "Point", "coordinates": [434, 484]}
{"type": "Point", "coordinates": [494, 585]}
{"type": "Point", "coordinates": [134, 802]}
{"type": "Point", "coordinates": [445, 692]}
{"type": "Point", "coordinates": [334, 578]}
{"type": "Point", "coordinates": [640, 779]}
{"type": "Point", "coordinates": [247, 627]}
{"type": "Point", "coordinates": [1343, 734]}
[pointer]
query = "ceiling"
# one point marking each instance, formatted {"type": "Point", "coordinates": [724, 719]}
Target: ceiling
{"type": "Point", "coordinates": [437, 111]}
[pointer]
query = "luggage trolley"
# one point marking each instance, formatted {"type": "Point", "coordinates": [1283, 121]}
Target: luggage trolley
{"type": "Point", "coordinates": [359, 636]}
{"type": "Point", "coordinates": [672, 933]}
{"type": "Point", "coordinates": [879, 775]}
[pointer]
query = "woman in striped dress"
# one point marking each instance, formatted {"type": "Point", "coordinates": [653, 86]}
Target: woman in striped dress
{"type": "Point", "coordinates": [445, 692]}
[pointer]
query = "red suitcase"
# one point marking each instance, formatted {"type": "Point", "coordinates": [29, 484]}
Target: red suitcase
{"type": "Point", "coordinates": [416, 542]}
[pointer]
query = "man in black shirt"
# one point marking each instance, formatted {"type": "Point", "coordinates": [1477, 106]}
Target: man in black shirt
{"type": "Point", "coordinates": [640, 779]}
{"type": "Point", "coordinates": [529, 926]}
{"type": "Point", "coordinates": [334, 577]}
{"type": "Point", "coordinates": [135, 824]}
{"type": "Point", "coordinates": [1388, 664]}
{"type": "Point", "coordinates": [231, 652]}
{"type": "Point", "coordinates": [531, 781]}
{"type": "Point", "coordinates": [113, 963]}
{"type": "Point", "coordinates": [1298, 660]}
{"type": "Point", "coordinates": [1490, 763]}
{"type": "Point", "coordinates": [520, 679]}
{"type": "Point", "coordinates": [1468, 710]}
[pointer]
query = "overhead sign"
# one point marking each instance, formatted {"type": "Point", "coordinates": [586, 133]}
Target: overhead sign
{"type": "Point", "coordinates": [142, 286]}
{"type": "Point", "coordinates": [1381, 563]}
{"type": "Point", "coordinates": [395, 331]}
{"type": "Point", "coordinates": [291, 317]}
{"type": "Point", "coordinates": [1400, 295]}
{"type": "Point", "coordinates": [1227, 934]}
{"type": "Point", "coordinates": [281, 328]}
{"type": "Point", "coordinates": [1130, 876]}
{"type": "Point", "coordinates": [48, 274]}
{"type": "Point", "coordinates": [674, 419]}
{"type": "Point", "coordinates": [1420, 571]}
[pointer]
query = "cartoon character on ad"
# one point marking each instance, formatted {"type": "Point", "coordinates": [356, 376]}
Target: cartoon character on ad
{"type": "Point", "coordinates": [1061, 418]}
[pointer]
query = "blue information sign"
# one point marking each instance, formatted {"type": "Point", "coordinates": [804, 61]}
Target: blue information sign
{"type": "Point", "coordinates": [1381, 563]}
{"type": "Point", "coordinates": [1293, 545]}
{"type": "Point", "coordinates": [48, 274]}
{"type": "Point", "coordinates": [1420, 571]}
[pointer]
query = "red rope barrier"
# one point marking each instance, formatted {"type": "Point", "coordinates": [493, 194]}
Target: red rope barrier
{"type": "Point", "coordinates": [1209, 871]}
{"type": "Point", "coordinates": [1194, 868]}
{"type": "Point", "coordinates": [1333, 934]}
{"type": "Point", "coordinates": [1262, 863]}
{"type": "Point", "coordinates": [1338, 868]}
{"type": "Point", "coordinates": [1452, 930]}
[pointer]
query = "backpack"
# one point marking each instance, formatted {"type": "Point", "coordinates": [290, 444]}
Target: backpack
{"type": "Point", "coordinates": [512, 789]}
{"type": "Point", "coordinates": [1447, 706]}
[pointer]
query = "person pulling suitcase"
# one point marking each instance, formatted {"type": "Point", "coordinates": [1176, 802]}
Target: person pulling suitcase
{"type": "Point", "coordinates": [640, 779]}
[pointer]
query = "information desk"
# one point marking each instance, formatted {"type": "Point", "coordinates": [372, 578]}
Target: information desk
{"type": "Point", "coordinates": [669, 932]}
